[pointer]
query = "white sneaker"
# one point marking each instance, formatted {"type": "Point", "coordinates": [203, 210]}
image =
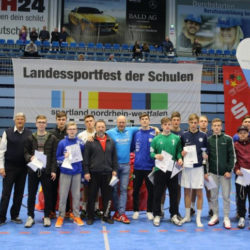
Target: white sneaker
{"type": "Point", "coordinates": [185, 219]}
{"type": "Point", "coordinates": [150, 216]}
{"type": "Point", "coordinates": [175, 220]}
{"type": "Point", "coordinates": [135, 216]}
{"type": "Point", "coordinates": [241, 223]}
{"type": "Point", "coordinates": [157, 221]}
{"type": "Point", "coordinates": [46, 222]}
{"type": "Point", "coordinates": [29, 222]}
{"type": "Point", "coordinates": [214, 220]}
{"type": "Point", "coordinates": [227, 223]}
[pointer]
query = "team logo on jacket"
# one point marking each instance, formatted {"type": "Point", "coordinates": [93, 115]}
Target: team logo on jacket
{"type": "Point", "coordinates": [200, 139]}
{"type": "Point", "coordinates": [173, 142]}
{"type": "Point", "coordinates": [149, 139]}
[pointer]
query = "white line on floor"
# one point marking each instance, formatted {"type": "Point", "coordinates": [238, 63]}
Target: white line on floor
{"type": "Point", "coordinates": [105, 237]}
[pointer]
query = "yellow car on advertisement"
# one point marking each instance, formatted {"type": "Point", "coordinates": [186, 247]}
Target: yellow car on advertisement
{"type": "Point", "coordinates": [87, 19]}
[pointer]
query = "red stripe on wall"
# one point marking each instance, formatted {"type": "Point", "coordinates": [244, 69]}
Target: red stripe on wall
{"type": "Point", "coordinates": [115, 100]}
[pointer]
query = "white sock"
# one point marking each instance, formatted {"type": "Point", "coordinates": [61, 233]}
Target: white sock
{"type": "Point", "coordinates": [192, 204]}
{"type": "Point", "coordinates": [187, 215]}
{"type": "Point", "coordinates": [96, 205]}
{"type": "Point", "coordinates": [198, 218]}
{"type": "Point", "coordinates": [84, 206]}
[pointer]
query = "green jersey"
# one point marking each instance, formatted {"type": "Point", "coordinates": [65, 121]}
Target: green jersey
{"type": "Point", "coordinates": [170, 143]}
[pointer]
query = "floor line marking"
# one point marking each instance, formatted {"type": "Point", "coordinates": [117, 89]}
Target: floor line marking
{"type": "Point", "coordinates": [105, 237]}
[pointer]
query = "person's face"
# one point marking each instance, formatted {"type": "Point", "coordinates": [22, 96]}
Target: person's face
{"type": "Point", "coordinates": [121, 123]}
{"type": "Point", "coordinates": [60, 122]}
{"type": "Point", "coordinates": [228, 34]}
{"type": "Point", "coordinates": [41, 124]}
{"type": "Point", "coordinates": [167, 38]}
{"type": "Point", "coordinates": [193, 125]}
{"type": "Point", "coordinates": [243, 135]}
{"type": "Point", "coordinates": [166, 127]}
{"type": "Point", "coordinates": [72, 131]}
{"type": "Point", "coordinates": [89, 123]}
{"type": "Point", "coordinates": [176, 121]}
{"type": "Point", "coordinates": [100, 129]}
{"type": "Point", "coordinates": [19, 122]}
{"type": "Point", "coordinates": [246, 123]}
{"type": "Point", "coordinates": [217, 127]}
{"type": "Point", "coordinates": [203, 123]}
{"type": "Point", "coordinates": [144, 121]}
{"type": "Point", "coordinates": [44, 27]}
{"type": "Point", "coordinates": [192, 27]}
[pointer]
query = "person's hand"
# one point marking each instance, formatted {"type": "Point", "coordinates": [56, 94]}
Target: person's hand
{"type": "Point", "coordinates": [32, 158]}
{"type": "Point", "coordinates": [204, 156]}
{"type": "Point", "coordinates": [206, 177]}
{"type": "Point", "coordinates": [90, 138]}
{"type": "Point", "coordinates": [2, 172]}
{"type": "Point", "coordinates": [66, 154]}
{"type": "Point", "coordinates": [87, 177]}
{"type": "Point", "coordinates": [159, 157]}
{"type": "Point", "coordinates": [53, 176]}
{"type": "Point", "coordinates": [238, 172]}
{"type": "Point", "coordinates": [114, 173]}
{"type": "Point", "coordinates": [227, 175]}
{"type": "Point", "coordinates": [183, 153]}
{"type": "Point", "coordinates": [180, 162]}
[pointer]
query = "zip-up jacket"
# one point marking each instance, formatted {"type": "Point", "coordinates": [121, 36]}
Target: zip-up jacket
{"type": "Point", "coordinates": [170, 143]}
{"type": "Point", "coordinates": [61, 149]}
{"type": "Point", "coordinates": [242, 150]}
{"type": "Point", "coordinates": [49, 150]}
{"type": "Point", "coordinates": [141, 146]}
{"type": "Point", "coordinates": [59, 134]}
{"type": "Point", "coordinates": [97, 160]}
{"type": "Point", "coordinates": [221, 156]}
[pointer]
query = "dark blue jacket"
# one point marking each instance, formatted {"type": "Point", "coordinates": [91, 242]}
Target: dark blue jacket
{"type": "Point", "coordinates": [199, 139]}
{"type": "Point", "coordinates": [61, 149]}
{"type": "Point", "coordinates": [141, 146]}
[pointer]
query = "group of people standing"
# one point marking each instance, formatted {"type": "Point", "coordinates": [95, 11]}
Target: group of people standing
{"type": "Point", "coordinates": [95, 158]}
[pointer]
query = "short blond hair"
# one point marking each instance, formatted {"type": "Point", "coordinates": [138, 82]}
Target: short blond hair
{"type": "Point", "coordinates": [216, 120]}
{"type": "Point", "coordinates": [42, 117]}
{"type": "Point", "coordinates": [165, 120]}
{"type": "Point", "coordinates": [193, 117]}
{"type": "Point", "coordinates": [71, 123]}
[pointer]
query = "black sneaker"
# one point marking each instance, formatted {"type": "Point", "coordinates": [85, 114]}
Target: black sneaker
{"type": "Point", "coordinates": [2, 222]}
{"type": "Point", "coordinates": [90, 221]}
{"type": "Point", "coordinates": [192, 212]}
{"type": "Point", "coordinates": [83, 214]}
{"type": "Point", "coordinates": [17, 220]}
{"type": "Point", "coordinates": [210, 212]}
{"type": "Point", "coordinates": [108, 220]}
{"type": "Point", "coordinates": [98, 213]}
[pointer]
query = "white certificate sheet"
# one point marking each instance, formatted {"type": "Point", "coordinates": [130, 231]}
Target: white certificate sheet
{"type": "Point", "coordinates": [67, 164]}
{"type": "Point", "coordinates": [75, 154]}
{"type": "Point", "coordinates": [41, 157]}
{"type": "Point", "coordinates": [246, 176]}
{"type": "Point", "coordinates": [176, 169]}
{"type": "Point", "coordinates": [114, 180]}
{"type": "Point", "coordinates": [151, 176]}
{"type": "Point", "coordinates": [166, 164]}
{"type": "Point", "coordinates": [191, 157]}
{"type": "Point", "coordinates": [210, 184]}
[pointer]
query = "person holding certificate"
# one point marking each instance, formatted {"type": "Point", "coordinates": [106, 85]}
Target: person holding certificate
{"type": "Point", "coordinates": [242, 150]}
{"type": "Point", "coordinates": [40, 144]}
{"type": "Point", "coordinates": [100, 169]}
{"type": "Point", "coordinates": [193, 141]}
{"type": "Point", "coordinates": [220, 164]}
{"type": "Point", "coordinates": [69, 156]}
{"type": "Point", "coordinates": [165, 149]}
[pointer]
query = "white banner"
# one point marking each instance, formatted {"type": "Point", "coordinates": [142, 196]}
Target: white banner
{"type": "Point", "coordinates": [105, 89]}
{"type": "Point", "coordinates": [14, 14]}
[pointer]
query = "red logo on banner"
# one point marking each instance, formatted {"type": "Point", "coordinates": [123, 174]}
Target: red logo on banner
{"type": "Point", "coordinates": [236, 98]}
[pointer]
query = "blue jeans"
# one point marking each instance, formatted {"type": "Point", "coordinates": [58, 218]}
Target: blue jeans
{"type": "Point", "coordinates": [123, 175]}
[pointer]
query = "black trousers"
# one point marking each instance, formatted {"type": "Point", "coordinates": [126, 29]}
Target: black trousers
{"type": "Point", "coordinates": [242, 193]}
{"type": "Point", "coordinates": [54, 193]}
{"type": "Point", "coordinates": [14, 177]}
{"type": "Point", "coordinates": [99, 180]}
{"type": "Point", "coordinates": [139, 176]}
{"type": "Point", "coordinates": [33, 182]}
{"type": "Point", "coordinates": [161, 181]}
